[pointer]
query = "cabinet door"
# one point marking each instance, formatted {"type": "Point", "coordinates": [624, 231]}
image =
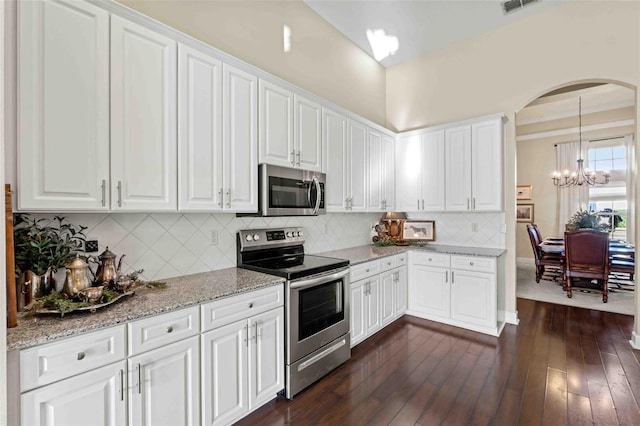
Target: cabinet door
{"type": "Point", "coordinates": [224, 373]}
{"type": "Point", "coordinates": [400, 292]}
{"type": "Point", "coordinates": [473, 297]}
{"type": "Point", "coordinates": [165, 385]}
{"type": "Point", "coordinates": [143, 118]}
{"type": "Point", "coordinates": [199, 130]}
{"type": "Point", "coordinates": [357, 165]}
{"type": "Point", "coordinates": [432, 197]}
{"type": "Point", "coordinates": [276, 125]}
{"type": "Point", "coordinates": [63, 116]}
{"type": "Point", "coordinates": [96, 398]}
{"type": "Point", "coordinates": [372, 302]}
{"type": "Point", "coordinates": [266, 358]}
{"type": "Point", "coordinates": [430, 293]}
{"type": "Point", "coordinates": [458, 168]}
{"type": "Point", "coordinates": [239, 103]}
{"type": "Point", "coordinates": [357, 301]}
{"type": "Point", "coordinates": [308, 134]}
{"type": "Point", "coordinates": [408, 172]}
{"type": "Point", "coordinates": [388, 174]}
{"type": "Point", "coordinates": [486, 166]}
{"type": "Point", "coordinates": [374, 181]}
{"type": "Point", "coordinates": [387, 296]}
{"type": "Point", "coordinates": [335, 140]}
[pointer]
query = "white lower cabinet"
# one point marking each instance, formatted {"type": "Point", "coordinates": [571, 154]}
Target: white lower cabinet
{"type": "Point", "coordinates": [456, 290]}
{"type": "Point", "coordinates": [164, 385]}
{"type": "Point", "coordinates": [243, 366]}
{"type": "Point", "coordinates": [93, 398]}
{"type": "Point", "coordinates": [378, 295]}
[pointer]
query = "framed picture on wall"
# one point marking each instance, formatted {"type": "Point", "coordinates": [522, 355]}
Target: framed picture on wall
{"type": "Point", "coordinates": [524, 213]}
{"type": "Point", "coordinates": [419, 230]}
{"type": "Point", "coordinates": [524, 192]}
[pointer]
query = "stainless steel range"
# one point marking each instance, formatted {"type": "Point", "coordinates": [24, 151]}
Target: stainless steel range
{"type": "Point", "coordinates": [316, 304]}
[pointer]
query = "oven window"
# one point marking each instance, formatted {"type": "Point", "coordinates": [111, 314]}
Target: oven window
{"type": "Point", "coordinates": [320, 307]}
{"type": "Point", "coordinates": [288, 193]}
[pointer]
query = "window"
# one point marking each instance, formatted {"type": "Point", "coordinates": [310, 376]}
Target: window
{"type": "Point", "coordinates": [610, 201]}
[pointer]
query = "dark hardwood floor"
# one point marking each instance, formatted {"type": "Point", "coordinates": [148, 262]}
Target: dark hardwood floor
{"type": "Point", "coordinates": [561, 365]}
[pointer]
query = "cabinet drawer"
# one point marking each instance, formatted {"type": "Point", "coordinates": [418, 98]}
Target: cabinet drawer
{"type": "Point", "coordinates": [46, 364]}
{"type": "Point", "coordinates": [474, 263]}
{"type": "Point", "coordinates": [432, 259]}
{"type": "Point", "coordinates": [386, 263]}
{"type": "Point", "coordinates": [231, 309]}
{"type": "Point", "coordinates": [400, 259]}
{"type": "Point", "coordinates": [364, 270]}
{"type": "Point", "coordinates": [161, 330]}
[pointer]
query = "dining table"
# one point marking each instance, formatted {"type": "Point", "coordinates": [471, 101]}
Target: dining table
{"type": "Point", "coordinates": [617, 248]}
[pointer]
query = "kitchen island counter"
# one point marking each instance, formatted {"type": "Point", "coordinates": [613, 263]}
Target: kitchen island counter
{"type": "Point", "coordinates": [180, 292]}
{"type": "Point", "coordinates": [362, 254]}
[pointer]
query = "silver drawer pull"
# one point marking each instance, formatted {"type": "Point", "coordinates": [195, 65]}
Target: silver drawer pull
{"type": "Point", "coordinates": [251, 305]}
{"type": "Point", "coordinates": [471, 263]}
{"type": "Point", "coordinates": [430, 260]}
{"type": "Point", "coordinates": [170, 329]}
{"type": "Point", "coordinates": [80, 356]}
{"type": "Point", "coordinates": [388, 263]}
{"type": "Point", "coordinates": [366, 270]}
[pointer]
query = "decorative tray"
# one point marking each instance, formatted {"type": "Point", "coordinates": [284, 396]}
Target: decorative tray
{"type": "Point", "coordinates": [92, 307]}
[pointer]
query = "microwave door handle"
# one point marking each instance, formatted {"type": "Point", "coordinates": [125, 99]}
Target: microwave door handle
{"type": "Point", "coordinates": [309, 187]}
{"type": "Point", "coordinates": [318, 194]}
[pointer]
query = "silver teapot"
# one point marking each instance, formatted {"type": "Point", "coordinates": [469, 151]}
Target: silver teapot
{"type": "Point", "coordinates": [107, 273]}
{"type": "Point", "coordinates": [79, 277]}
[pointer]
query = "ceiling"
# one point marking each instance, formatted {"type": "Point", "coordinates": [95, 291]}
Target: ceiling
{"type": "Point", "coordinates": [422, 26]}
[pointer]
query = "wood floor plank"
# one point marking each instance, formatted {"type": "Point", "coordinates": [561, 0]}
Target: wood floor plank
{"type": "Point", "coordinates": [559, 365]}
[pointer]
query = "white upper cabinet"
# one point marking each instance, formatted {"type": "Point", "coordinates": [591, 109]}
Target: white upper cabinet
{"type": "Point", "coordinates": [335, 140]}
{"type": "Point", "coordinates": [276, 125]}
{"type": "Point", "coordinates": [357, 166]}
{"type": "Point", "coordinates": [290, 129]}
{"type": "Point", "coordinates": [217, 113]}
{"type": "Point", "coordinates": [199, 131]}
{"type": "Point", "coordinates": [458, 168]}
{"type": "Point", "coordinates": [375, 202]}
{"type": "Point", "coordinates": [240, 158]}
{"type": "Point", "coordinates": [63, 108]}
{"type": "Point", "coordinates": [143, 118]}
{"type": "Point", "coordinates": [486, 166]}
{"type": "Point", "coordinates": [420, 172]}
{"type": "Point", "coordinates": [388, 173]}
{"type": "Point", "coordinates": [474, 166]}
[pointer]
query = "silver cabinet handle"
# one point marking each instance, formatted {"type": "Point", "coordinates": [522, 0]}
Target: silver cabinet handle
{"type": "Point", "coordinates": [170, 329]}
{"type": "Point", "coordinates": [121, 384]}
{"type": "Point", "coordinates": [298, 158]}
{"type": "Point", "coordinates": [418, 203]}
{"type": "Point", "coordinates": [293, 157]}
{"type": "Point", "coordinates": [423, 204]}
{"type": "Point", "coordinates": [221, 197]}
{"type": "Point", "coordinates": [229, 197]}
{"type": "Point", "coordinates": [473, 203]}
{"type": "Point", "coordinates": [119, 194]}
{"type": "Point", "coordinates": [104, 195]}
{"type": "Point", "coordinates": [446, 276]}
{"type": "Point", "coordinates": [366, 270]}
{"type": "Point", "coordinates": [256, 336]}
{"type": "Point", "coordinates": [246, 330]}
{"type": "Point", "coordinates": [470, 263]}
{"type": "Point", "coordinates": [451, 277]}
{"type": "Point", "coordinates": [250, 304]}
{"type": "Point", "coordinates": [80, 356]}
{"type": "Point", "coordinates": [467, 204]}
{"type": "Point", "coordinates": [139, 379]}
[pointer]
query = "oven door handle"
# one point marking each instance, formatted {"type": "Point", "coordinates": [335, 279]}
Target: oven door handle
{"type": "Point", "coordinates": [319, 280]}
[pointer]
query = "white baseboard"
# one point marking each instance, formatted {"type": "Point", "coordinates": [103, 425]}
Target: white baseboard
{"type": "Point", "coordinates": [511, 318]}
{"type": "Point", "coordinates": [635, 340]}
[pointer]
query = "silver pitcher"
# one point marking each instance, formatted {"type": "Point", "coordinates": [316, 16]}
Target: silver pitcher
{"type": "Point", "coordinates": [79, 277]}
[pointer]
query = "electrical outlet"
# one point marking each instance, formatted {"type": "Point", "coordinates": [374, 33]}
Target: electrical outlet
{"type": "Point", "coordinates": [213, 237]}
{"type": "Point", "coordinates": [91, 246]}
{"type": "Point", "coordinates": [474, 227]}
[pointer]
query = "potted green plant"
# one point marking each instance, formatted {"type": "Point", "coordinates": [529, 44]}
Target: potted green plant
{"type": "Point", "coordinates": [41, 247]}
{"type": "Point", "coordinates": [586, 219]}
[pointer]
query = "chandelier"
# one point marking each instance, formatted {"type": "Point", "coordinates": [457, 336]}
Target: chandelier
{"type": "Point", "coordinates": [581, 176]}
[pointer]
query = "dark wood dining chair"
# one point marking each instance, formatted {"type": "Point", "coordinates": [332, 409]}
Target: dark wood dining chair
{"type": "Point", "coordinates": [548, 266]}
{"type": "Point", "coordinates": [587, 261]}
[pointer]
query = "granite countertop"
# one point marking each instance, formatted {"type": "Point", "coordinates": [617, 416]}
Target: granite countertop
{"type": "Point", "coordinates": [362, 254]}
{"type": "Point", "coordinates": [181, 292]}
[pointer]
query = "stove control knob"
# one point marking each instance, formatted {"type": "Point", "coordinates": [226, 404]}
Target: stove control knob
{"type": "Point", "coordinates": [256, 237]}
{"type": "Point", "coordinates": [248, 238]}
{"type": "Point", "coordinates": [300, 234]}
{"type": "Point", "coordinates": [289, 234]}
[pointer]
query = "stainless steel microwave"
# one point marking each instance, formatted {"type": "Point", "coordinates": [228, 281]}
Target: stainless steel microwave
{"type": "Point", "coordinates": [285, 191]}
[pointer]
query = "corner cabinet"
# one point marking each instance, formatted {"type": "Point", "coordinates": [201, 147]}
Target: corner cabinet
{"type": "Point", "coordinates": [63, 108]}
{"type": "Point", "coordinates": [215, 147]}
{"type": "Point", "coordinates": [381, 169]}
{"type": "Point", "coordinates": [457, 290]}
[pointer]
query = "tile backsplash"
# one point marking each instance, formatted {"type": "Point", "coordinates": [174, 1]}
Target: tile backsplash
{"type": "Point", "coordinates": [172, 244]}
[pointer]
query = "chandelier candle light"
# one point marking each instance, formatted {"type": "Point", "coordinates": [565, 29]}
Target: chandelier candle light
{"type": "Point", "coordinates": [581, 176]}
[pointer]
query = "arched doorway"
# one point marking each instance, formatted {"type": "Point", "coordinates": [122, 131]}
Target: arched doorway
{"type": "Point", "coordinates": [608, 115]}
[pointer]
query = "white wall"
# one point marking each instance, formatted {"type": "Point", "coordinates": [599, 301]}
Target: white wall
{"type": "Point", "coordinates": [503, 70]}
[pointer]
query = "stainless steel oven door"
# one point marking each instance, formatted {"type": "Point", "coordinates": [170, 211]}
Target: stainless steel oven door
{"type": "Point", "coordinates": [318, 312]}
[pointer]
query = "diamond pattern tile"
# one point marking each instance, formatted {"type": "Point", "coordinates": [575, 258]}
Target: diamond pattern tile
{"type": "Point", "coordinates": [149, 231]}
